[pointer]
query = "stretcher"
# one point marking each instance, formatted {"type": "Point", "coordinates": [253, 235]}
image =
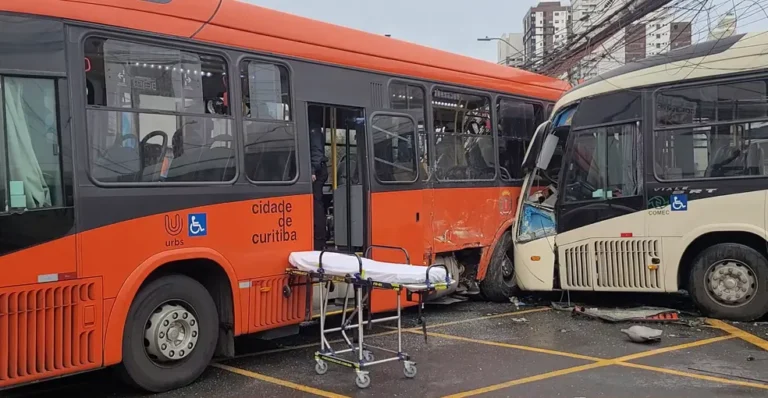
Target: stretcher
{"type": "Point", "coordinates": [362, 275]}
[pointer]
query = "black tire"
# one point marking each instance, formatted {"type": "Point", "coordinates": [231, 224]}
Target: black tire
{"type": "Point", "coordinates": [753, 309]}
{"type": "Point", "coordinates": [499, 285]}
{"type": "Point", "coordinates": [137, 368]}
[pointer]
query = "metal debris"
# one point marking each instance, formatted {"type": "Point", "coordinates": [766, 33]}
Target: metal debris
{"type": "Point", "coordinates": [642, 334]}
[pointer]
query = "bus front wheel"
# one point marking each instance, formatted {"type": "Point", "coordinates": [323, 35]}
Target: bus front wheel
{"type": "Point", "coordinates": [730, 281]}
{"type": "Point", "coordinates": [499, 283]}
{"type": "Point", "coordinates": [170, 334]}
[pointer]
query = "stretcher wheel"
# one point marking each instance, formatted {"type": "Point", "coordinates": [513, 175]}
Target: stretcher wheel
{"type": "Point", "coordinates": [363, 380]}
{"type": "Point", "coordinates": [409, 370]}
{"type": "Point", "coordinates": [321, 367]}
{"type": "Point", "coordinates": [368, 356]}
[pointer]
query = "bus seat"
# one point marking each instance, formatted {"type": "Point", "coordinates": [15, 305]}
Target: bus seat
{"type": "Point", "coordinates": [216, 163]}
{"type": "Point", "coordinates": [117, 164]}
{"type": "Point", "coordinates": [724, 162]}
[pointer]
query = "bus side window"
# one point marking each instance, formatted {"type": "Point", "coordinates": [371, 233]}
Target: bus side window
{"type": "Point", "coordinates": [603, 164]}
{"type": "Point", "coordinates": [701, 131]}
{"type": "Point", "coordinates": [517, 123]}
{"type": "Point", "coordinates": [157, 114]}
{"type": "Point", "coordinates": [412, 98]}
{"type": "Point", "coordinates": [464, 145]}
{"type": "Point", "coordinates": [270, 132]}
{"type": "Point", "coordinates": [29, 144]}
{"type": "Point", "coordinates": [394, 149]}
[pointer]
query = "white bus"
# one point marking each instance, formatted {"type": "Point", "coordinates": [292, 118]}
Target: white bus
{"type": "Point", "coordinates": [654, 178]}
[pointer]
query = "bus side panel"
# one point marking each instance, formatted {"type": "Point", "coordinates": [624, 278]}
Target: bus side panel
{"type": "Point", "coordinates": [50, 329]}
{"type": "Point", "coordinates": [247, 245]}
{"type": "Point", "coordinates": [257, 245]}
{"type": "Point", "coordinates": [396, 220]}
{"type": "Point", "coordinates": [48, 261]}
{"type": "Point", "coordinates": [464, 217]}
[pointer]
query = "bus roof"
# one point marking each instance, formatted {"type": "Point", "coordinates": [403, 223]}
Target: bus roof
{"type": "Point", "coordinates": [240, 24]}
{"type": "Point", "coordinates": [736, 54]}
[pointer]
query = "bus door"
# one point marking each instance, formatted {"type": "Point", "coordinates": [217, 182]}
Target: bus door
{"type": "Point", "coordinates": [344, 199]}
{"type": "Point", "coordinates": [37, 215]}
{"type": "Point", "coordinates": [600, 215]}
{"type": "Point", "coordinates": [397, 217]}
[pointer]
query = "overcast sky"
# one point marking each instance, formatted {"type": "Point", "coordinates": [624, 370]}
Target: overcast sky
{"type": "Point", "coordinates": [445, 24]}
{"type": "Point", "coordinates": [455, 26]}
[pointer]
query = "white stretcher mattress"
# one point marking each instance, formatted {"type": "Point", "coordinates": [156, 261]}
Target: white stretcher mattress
{"type": "Point", "coordinates": [343, 264]}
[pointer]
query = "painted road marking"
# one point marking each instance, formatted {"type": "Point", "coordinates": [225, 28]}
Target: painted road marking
{"type": "Point", "coordinates": [663, 350]}
{"type": "Point", "coordinates": [695, 375]}
{"type": "Point", "coordinates": [734, 331]}
{"type": "Point", "coordinates": [598, 363]}
{"type": "Point", "coordinates": [530, 379]}
{"type": "Point", "coordinates": [284, 383]}
{"type": "Point", "coordinates": [514, 346]}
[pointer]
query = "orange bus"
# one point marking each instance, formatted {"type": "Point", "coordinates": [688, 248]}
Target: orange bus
{"type": "Point", "coordinates": [155, 174]}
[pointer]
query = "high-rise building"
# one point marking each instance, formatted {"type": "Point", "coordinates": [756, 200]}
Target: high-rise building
{"type": "Point", "coordinates": [726, 27]}
{"type": "Point", "coordinates": [546, 27]}
{"type": "Point", "coordinates": [656, 33]}
{"type": "Point", "coordinates": [511, 50]}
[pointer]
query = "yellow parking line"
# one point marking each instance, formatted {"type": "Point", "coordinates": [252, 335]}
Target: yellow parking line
{"type": "Point", "coordinates": [734, 331]}
{"type": "Point", "coordinates": [505, 345]}
{"type": "Point", "coordinates": [481, 318]}
{"type": "Point", "coordinates": [671, 348]}
{"type": "Point", "coordinates": [530, 379]}
{"type": "Point", "coordinates": [284, 383]}
{"type": "Point", "coordinates": [695, 376]}
{"type": "Point", "coordinates": [597, 364]}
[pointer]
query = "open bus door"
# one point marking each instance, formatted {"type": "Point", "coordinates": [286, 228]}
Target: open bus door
{"type": "Point", "coordinates": [396, 198]}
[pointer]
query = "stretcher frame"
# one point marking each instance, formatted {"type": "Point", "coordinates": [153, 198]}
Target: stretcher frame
{"type": "Point", "coordinates": [362, 288]}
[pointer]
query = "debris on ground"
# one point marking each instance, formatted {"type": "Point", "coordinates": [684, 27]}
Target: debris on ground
{"type": "Point", "coordinates": [520, 303]}
{"type": "Point", "coordinates": [562, 306]}
{"type": "Point", "coordinates": [519, 320]}
{"type": "Point", "coordinates": [642, 334]}
{"type": "Point", "coordinates": [637, 314]}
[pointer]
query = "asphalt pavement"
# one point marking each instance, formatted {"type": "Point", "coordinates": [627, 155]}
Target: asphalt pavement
{"type": "Point", "coordinates": [489, 350]}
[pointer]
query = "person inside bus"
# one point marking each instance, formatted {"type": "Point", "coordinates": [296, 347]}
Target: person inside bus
{"type": "Point", "coordinates": [319, 164]}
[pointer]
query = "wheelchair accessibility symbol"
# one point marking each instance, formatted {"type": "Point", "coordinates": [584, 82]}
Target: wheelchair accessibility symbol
{"type": "Point", "coordinates": [678, 202]}
{"type": "Point", "coordinates": [197, 225]}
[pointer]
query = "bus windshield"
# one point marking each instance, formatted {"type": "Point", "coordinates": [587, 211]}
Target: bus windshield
{"type": "Point", "coordinates": [537, 217]}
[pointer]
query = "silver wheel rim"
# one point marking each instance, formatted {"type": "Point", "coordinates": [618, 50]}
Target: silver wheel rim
{"type": "Point", "coordinates": [731, 283]}
{"type": "Point", "coordinates": [171, 333]}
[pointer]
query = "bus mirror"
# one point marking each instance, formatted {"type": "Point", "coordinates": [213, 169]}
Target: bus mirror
{"type": "Point", "coordinates": [547, 150]}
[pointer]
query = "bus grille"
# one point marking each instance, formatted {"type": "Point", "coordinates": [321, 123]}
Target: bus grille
{"type": "Point", "coordinates": [271, 308]}
{"type": "Point", "coordinates": [577, 268]}
{"type": "Point", "coordinates": [50, 329]}
{"type": "Point", "coordinates": [612, 264]}
{"type": "Point", "coordinates": [623, 264]}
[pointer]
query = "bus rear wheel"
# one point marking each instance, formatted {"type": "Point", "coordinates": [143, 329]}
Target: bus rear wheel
{"type": "Point", "coordinates": [730, 281]}
{"type": "Point", "coordinates": [499, 283]}
{"type": "Point", "coordinates": [170, 334]}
